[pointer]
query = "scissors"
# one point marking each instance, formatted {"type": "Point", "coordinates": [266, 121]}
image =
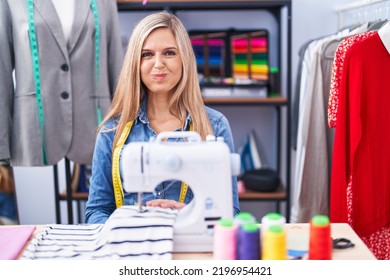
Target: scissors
{"type": "Point", "coordinates": [342, 243]}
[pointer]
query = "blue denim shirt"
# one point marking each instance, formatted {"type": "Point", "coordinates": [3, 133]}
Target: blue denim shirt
{"type": "Point", "coordinates": [8, 206]}
{"type": "Point", "coordinates": [101, 201]}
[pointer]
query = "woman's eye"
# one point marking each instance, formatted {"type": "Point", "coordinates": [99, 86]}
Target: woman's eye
{"type": "Point", "coordinates": [146, 54]}
{"type": "Point", "coordinates": [170, 53]}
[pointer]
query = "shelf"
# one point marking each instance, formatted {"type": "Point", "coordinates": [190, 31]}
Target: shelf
{"type": "Point", "coordinates": [136, 5]}
{"type": "Point", "coordinates": [276, 101]}
{"type": "Point", "coordinates": [75, 196]}
{"type": "Point", "coordinates": [206, 2]}
{"type": "Point", "coordinates": [248, 195]}
{"type": "Point", "coordinates": [199, 1]}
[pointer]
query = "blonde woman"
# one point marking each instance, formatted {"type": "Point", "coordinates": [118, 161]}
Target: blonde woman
{"type": "Point", "coordinates": [158, 90]}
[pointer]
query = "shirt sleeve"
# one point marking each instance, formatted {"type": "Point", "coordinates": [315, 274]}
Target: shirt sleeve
{"type": "Point", "coordinates": [223, 129]}
{"type": "Point", "coordinates": [101, 200]}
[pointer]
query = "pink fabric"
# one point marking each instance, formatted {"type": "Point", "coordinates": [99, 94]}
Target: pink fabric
{"type": "Point", "coordinates": [13, 240]}
{"type": "Point", "coordinates": [241, 187]}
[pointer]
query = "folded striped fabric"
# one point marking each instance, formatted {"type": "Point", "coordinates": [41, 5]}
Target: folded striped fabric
{"type": "Point", "coordinates": [127, 234]}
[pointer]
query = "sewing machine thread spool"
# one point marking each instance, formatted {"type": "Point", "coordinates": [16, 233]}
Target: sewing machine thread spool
{"type": "Point", "coordinates": [320, 241]}
{"type": "Point", "coordinates": [244, 218]}
{"type": "Point", "coordinates": [248, 242]}
{"type": "Point", "coordinates": [274, 245]}
{"type": "Point", "coordinates": [225, 240]}
{"type": "Point", "coordinates": [270, 219]}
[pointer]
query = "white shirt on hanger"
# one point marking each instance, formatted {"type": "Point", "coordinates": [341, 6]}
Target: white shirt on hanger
{"type": "Point", "coordinates": [384, 34]}
{"type": "Point", "coordinates": [65, 11]}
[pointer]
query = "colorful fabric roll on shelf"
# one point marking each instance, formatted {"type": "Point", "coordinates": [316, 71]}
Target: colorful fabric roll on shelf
{"type": "Point", "coordinates": [250, 57]}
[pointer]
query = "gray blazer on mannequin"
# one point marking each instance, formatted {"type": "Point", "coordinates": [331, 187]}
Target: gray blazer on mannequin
{"type": "Point", "coordinates": [69, 91]}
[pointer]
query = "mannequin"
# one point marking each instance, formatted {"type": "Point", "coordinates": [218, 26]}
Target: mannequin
{"type": "Point", "coordinates": [79, 55]}
{"type": "Point", "coordinates": [74, 90]}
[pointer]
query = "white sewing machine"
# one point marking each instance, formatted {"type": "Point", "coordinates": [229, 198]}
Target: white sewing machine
{"type": "Point", "coordinates": [206, 166]}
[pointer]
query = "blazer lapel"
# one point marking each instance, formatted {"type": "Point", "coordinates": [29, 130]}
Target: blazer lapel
{"type": "Point", "coordinates": [49, 14]}
{"type": "Point", "coordinates": [82, 10]}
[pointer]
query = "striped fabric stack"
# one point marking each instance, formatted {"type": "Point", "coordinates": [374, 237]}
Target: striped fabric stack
{"type": "Point", "coordinates": [127, 234]}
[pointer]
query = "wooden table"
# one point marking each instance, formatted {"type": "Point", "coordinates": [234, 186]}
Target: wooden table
{"type": "Point", "coordinates": [298, 238]}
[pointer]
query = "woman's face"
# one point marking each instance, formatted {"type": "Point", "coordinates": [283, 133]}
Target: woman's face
{"type": "Point", "coordinates": [161, 65]}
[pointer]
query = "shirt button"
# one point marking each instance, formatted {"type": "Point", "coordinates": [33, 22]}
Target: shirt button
{"type": "Point", "coordinates": [65, 67]}
{"type": "Point", "coordinates": [64, 95]}
{"type": "Point", "coordinates": [159, 193]}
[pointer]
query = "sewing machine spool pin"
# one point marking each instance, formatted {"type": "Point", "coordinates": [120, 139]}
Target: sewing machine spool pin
{"type": "Point", "coordinates": [140, 209]}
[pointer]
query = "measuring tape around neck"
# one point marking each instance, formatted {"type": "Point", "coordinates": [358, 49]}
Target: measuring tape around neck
{"type": "Point", "coordinates": [116, 177]}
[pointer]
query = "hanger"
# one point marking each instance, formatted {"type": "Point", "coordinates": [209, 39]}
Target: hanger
{"type": "Point", "coordinates": [376, 25]}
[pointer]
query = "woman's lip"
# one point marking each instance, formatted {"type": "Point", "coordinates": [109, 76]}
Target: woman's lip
{"type": "Point", "coordinates": [159, 76]}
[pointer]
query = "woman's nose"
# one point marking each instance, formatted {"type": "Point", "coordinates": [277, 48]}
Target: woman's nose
{"type": "Point", "coordinates": [159, 62]}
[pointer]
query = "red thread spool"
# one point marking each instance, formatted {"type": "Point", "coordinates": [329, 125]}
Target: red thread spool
{"type": "Point", "coordinates": [320, 246]}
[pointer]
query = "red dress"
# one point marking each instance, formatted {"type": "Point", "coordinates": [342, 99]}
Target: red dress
{"type": "Point", "coordinates": [359, 108]}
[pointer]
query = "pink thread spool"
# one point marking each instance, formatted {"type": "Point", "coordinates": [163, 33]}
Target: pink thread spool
{"type": "Point", "coordinates": [225, 240]}
{"type": "Point", "coordinates": [320, 242]}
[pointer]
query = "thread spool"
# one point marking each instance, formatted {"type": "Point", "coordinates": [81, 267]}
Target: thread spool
{"type": "Point", "coordinates": [320, 241]}
{"type": "Point", "coordinates": [270, 219]}
{"type": "Point", "coordinates": [248, 242]}
{"type": "Point", "coordinates": [274, 81]}
{"type": "Point", "coordinates": [225, 240]}
{"type": "Point", "coordinates": [274, 246]}
{"type": "Point", "coordinates": [244, 218]}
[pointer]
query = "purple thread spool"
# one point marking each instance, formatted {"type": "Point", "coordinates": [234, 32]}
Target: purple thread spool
{"type": "Point", "coordinates": [248, 242]}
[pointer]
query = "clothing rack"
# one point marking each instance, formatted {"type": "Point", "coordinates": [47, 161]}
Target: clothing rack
{"type": "Point", "coordinates": [343, 9]}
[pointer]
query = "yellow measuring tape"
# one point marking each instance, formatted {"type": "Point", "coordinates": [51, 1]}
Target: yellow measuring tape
{"type": "Point", "coordinates": [116, 177]}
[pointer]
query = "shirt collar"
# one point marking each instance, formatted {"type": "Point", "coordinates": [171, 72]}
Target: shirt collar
{"type": "Point", "coordinates": [143, 117]}
{"type": "Point", "coordinates": [384, 34]}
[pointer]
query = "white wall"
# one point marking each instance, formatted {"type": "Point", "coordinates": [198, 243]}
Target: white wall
{"type": "Point", "coordinates": [310, 19]}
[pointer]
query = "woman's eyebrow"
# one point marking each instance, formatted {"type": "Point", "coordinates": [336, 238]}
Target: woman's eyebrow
{"type": "Point", "coordinates": [164, 49]}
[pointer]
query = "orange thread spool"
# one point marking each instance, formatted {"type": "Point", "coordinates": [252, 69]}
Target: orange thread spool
{"type": "Point", "coordinates": [320, 244]}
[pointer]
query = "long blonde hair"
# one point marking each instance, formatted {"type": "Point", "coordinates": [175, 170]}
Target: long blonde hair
{"type": "Point", "coordinates": [130, 90]}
